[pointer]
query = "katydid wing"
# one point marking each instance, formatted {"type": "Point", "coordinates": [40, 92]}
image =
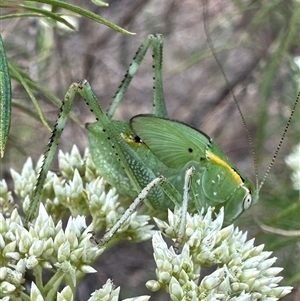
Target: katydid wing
{"type": "Point", "coordinates": [217, 181]}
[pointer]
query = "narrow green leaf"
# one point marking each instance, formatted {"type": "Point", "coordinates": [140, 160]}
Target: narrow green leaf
{"type": "Point", "coordinates": [38, 13]}
{"type": "Point", "coordinates": [5, 99]}
{"type": "Point", "coordinates": [15, 73]}
{"type": "Point", "coordinates": [51, 15]}
{"type": "Point", "coordinates": [81, 11]}
{"type": "Point", "coordinates": [100, 3]}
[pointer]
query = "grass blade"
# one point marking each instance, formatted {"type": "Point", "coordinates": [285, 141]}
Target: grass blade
{"type": "Point", "coordinates": [5, 99]}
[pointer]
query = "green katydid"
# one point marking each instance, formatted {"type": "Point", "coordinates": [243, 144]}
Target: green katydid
{"type": "Point", "coordinates": [131, 155]}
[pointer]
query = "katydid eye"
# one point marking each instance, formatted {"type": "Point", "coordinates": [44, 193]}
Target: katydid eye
{"type": "Point", "coordinates": [247, 201]}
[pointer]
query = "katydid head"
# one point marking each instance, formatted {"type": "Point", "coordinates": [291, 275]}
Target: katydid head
{"type": "Point", "coordinates": [242, 199]}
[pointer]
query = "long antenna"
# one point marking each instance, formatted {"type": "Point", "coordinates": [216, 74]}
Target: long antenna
{"type": "Point", "coordinates": [280, 142]}
{"type": "Point", "coordinates": [211, 47]}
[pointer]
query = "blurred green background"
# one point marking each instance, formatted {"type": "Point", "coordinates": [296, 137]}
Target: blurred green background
{"type": "Point", "coordinates": [257, 43]}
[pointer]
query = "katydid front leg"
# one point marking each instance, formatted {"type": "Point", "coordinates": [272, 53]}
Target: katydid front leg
{"type": "Point", "coordinates": [50, 152]}
{"type": "Point", "coordinates": [141, 198]}
{"type": "Point", "coordinates": [129, 211]}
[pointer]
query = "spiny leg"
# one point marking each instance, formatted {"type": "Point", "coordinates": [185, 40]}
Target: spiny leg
{"type": "Point", "coordinates": [50, 152]}
{"type": "Point", "coordinates": [129, 211]}
{"type": "Point", "coordinates": [159, 107]}
{"type": "Point", "coordinates": [83, 88]}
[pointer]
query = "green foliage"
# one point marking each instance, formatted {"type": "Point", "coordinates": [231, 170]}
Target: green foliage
{"type": "Point", "coordinates": [5, 99]}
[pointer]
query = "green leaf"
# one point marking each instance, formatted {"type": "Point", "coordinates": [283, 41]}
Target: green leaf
{"type": "Point", "coordinates": [5, 99]}
{"type": "Point", "coordinates": [81, 11]}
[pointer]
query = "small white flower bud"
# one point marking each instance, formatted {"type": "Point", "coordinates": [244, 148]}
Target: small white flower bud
{"type": "Point", "coordinates": [153, 285]}
{"type": "Point", "coordinates": [31, 262]}
{"type": "Point", "coordinates": [35, 294]}
{"type": "Point", "coordinates": [6, 287]}
{"type": "Point", "coordinates": [63, 252]}
{"type": "Point", "coordinates": [36, 248]}
{"type": "Point", "coordinates": [175, 290]}
{"type": "Point", "coordinates": [87, 269]}
{"type": "Point", "coordinates": [65, 295]}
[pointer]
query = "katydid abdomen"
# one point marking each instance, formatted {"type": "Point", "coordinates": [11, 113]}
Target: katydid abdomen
{"type": "Point", "coordinates": [111, 169]}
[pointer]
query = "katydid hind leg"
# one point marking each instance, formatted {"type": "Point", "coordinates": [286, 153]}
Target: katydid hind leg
{"type": "Point", "coordinates": [139, 174]}
{"type": "Point", "coordinates": [139, 163]}
{"type": "Point", "coordinates": [159, 107]}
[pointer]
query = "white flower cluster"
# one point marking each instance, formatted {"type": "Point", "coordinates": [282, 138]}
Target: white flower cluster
{"type": "Point", "coordinates": [68, 252]}
{"type": "Point", "coordinates": [243, 270]}
{"type": "Point", "coordinates": [293, 161]}
{"type": "Point", "coordinates": [45, 245]}
{"type": "Point", "coordinates": [79, 190]}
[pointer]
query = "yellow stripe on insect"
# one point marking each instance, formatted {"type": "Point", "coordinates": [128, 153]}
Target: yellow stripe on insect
{"type": "Point", "coordinates": [130, 139]}
{"type": "Point", "coordinates": [219, 161]}
{"type": "Point", "coordinates": [134, 142]}
{"type": "Point", "coordinates": [127, 138]}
